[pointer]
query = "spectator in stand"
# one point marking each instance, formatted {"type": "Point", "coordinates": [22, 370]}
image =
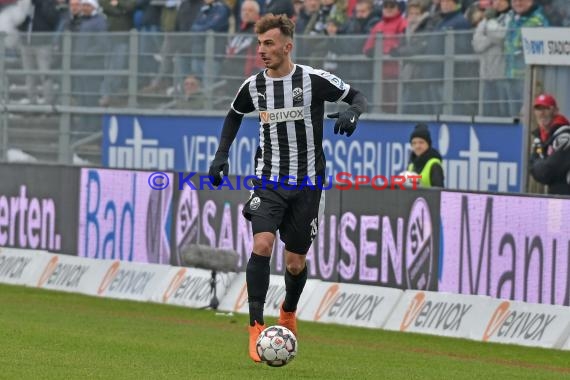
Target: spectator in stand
{"type": "Point", "coordinates": [278, 7]}
{"type": "Point", "coordinates": [553, 11]}
{"type": "Point", "coordinates": [361, 23]}
{"type": "Point", "coordinates": [488, 42]}
{"type": "Point", "coordinates": [36, 48]}
{"type": "Point", "coordinates": [379, 7]}
{"type": "Point", "coordinates": [307, 17]}
{"type": "Point", "coordinates": [415, 44]}
{"type": "Point", "coordinates": [12, 14]}
{"type": "Point", "coordinates": [192, 96]}
{"type": "Point", "coordinates": [120, 21]}
{"type": "Point", "coordinates": [435, 7]}
{"type": "Point", "coordinates": [69, 20]}
{"type": "Point", "coordinates": [550, 154]}
{"type": "Point", "coordinates": [213, 16]}
{"type": "Point", "coordinates": [330, 11]}
{"type": "Point", "coordinates": [354, 33]}
{"type": "Point", "coordinates": [147, 21]}
{"type": "Point", "coordinates": [525, 14]}
{"type": "Point", "coordinates": [450, 18]}
{"type": "Point", "coordinates": [89, 48]}
{"type": "Point", "coordinates": [181, 43]}
{"type": "Point", "coordinates": [475, 14]}
{"type": "Point", "coordinates": [62, 7]}
{"type": "Point", "coordinates": [235, 7]}
{"type": "Point", "coordinates": [297, 8]}
{"type": "Point", "coordinates": [391, 27]}
{"type": "Point", "coordinates": [168, 14]}
{"type": "Point", "coordinates": [241, 58]}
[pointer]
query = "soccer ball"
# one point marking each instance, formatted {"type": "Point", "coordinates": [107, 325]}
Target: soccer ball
{"type": "Point", "coordinates": [276, 346]}
{"type": "Point", "coordinates": [409, 183]}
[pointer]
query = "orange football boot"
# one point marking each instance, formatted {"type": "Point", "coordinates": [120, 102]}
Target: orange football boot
{"type": "Point", "coordinates": [287, 319]}
{"type": "Point", "coordinates": [254, 332]}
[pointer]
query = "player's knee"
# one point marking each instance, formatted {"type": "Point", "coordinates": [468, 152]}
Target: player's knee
{"type": "Point", "coordinates": [295, 268]}
{"type": "Point", "coordinates": [263, 247]}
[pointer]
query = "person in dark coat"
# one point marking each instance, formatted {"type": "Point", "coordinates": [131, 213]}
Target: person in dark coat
{"type": "Point", "coordinates": [550, 156]}
{"type": "Point", "coordinates": [424, 159]}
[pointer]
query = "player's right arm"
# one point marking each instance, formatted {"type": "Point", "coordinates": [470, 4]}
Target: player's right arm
{"type": "Point", "coordinates": [241, 105]}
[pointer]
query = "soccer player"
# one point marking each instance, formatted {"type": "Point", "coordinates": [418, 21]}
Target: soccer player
{"type": "Point", "coordinates": [290, 100]}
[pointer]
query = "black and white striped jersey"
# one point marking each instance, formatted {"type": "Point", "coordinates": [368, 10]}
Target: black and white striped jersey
{"type": "Point", "coordinates": [291, 112]}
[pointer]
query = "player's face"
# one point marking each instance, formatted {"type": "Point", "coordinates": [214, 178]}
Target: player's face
{"type": "Point", "coordinates": [419, 146]}
{"type": "Point", "coordinates": [544, 115]}
{"type": "Point", "coordinates": [274, 48]}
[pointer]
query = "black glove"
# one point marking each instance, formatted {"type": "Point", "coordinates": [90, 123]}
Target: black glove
{"type": "Point", "coordinates": [346, 122]}
{"type": "Point", "coordinates": [218, 166]}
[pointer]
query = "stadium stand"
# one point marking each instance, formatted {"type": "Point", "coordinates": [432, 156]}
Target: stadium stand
{"type": "Point", "coordinates": [427, 68]}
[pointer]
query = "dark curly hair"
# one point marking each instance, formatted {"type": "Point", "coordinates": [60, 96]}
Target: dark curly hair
{"type": "Point", "coordinates": [271, 21]}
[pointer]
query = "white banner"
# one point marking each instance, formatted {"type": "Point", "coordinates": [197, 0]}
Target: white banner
{"type": "Point", "coordinates": [71, 274]}
{"type": "Point", "coordinates": [443, 314]}
{"type": "Point", "coordinates": [350, 304]}
{"type": "Point", "coordinates": [527, 324]}
{"type": "Point", "coordinates": [192, 287]}
{"type": "Point", "coordinates": [128, 280]}
{"type": "Point", "coordinates": [236, 299]}
{"type": "Point", "coordinates": [567, 345]}
{"type": "Point", "coordinates": [18, 266]}
{"type": "Point", "coordinates": [546, 46]}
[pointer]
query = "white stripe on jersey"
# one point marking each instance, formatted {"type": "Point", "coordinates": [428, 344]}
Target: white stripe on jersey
{"type": "Point", "coordinates": [291, 133]}
{"type": "Point", "coordinates": [275, 158]}
{"type": "Point", "coordinates": [307, 98]}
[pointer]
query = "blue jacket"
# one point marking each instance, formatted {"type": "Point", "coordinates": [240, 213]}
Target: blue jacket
{"type": "Point", "coordinates": [89, 44]}
{"type": "Point", "coordinates": [214, 17]}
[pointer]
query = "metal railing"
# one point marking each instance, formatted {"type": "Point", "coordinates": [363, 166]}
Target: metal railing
{"type": "Point", "coordinates": [89, 75]}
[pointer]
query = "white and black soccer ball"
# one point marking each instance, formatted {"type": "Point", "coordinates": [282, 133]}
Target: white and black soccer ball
{"type": "Point", "coordinates": [276, 346]}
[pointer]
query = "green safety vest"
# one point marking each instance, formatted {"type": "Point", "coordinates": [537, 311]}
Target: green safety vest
{"type": "Point", "coordinates": [426, 180]}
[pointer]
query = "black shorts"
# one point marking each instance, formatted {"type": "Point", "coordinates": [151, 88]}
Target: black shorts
{"type": "Point", "coordinates": [296, 213]}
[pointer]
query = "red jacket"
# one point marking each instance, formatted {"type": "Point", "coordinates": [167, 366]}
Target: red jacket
{"type": "Point", "coordinates": [392, 30]}
{"type": "Point", "coordinates": [558, 121]}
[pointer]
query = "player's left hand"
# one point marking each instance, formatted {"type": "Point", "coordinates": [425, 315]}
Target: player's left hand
{"type": "Point", "coordinates": [219, 168]}
{"type": "Point", "coordinates": [346, 121]}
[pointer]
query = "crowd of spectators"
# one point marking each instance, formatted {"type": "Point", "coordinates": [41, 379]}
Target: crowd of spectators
{"type": "Point", "coordinates": [492, 30]}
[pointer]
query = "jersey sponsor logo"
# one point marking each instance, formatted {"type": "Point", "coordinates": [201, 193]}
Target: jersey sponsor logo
{"type": "Point", "coordinates": [281, 115]}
